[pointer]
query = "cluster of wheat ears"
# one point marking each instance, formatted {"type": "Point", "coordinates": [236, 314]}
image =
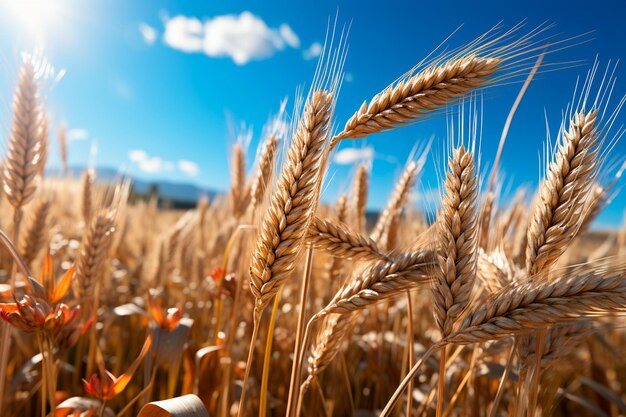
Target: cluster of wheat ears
{"type": "Point", "coordinates": [138, 310]}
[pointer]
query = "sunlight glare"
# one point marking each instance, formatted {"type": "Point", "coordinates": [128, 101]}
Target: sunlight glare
{"type": "Point", "coordinates": [34, 16]}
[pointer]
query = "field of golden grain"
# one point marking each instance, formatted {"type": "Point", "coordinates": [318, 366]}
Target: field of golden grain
{"type": "Point", "coordinates": [266, 302]}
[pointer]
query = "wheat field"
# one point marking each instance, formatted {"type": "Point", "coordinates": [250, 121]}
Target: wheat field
{"type": "Point", "coordinates": [266, 301]}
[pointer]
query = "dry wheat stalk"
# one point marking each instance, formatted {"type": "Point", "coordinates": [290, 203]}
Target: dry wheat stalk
{"type": "Point", "coordinates": [359, 198]}
{"type": "Point", "coordinates": [87, 182]}
{"type": "Point", "coordinates": [332, 333]}
{"type": "Point", "coordinates": [337, 239]}
{"type": "Point", "coordinates": [22, 168]}
{"type": "Point", "coordinates": [395, 204]}
{"type": "Point", "coordinates": [94, 249]}
{"type": "Point", "coordinates": [457, 243]}
{"type": "Point", "coordinates": [43, 151]}
{"type": "Point", "coordinates": [34, 234]}
{"type": "Point", "coordinates": [264, 170]}
{"type": "Point", "coordinates": [557, 214]}
{"type": "Point", "coordinates": [382, 280]}
{"type": "Point", "coordinates": [424, 92]}
{"type": "Point", "coordinates": [485, 220]}
{"type": "Point", "coordinates": [334, 268]}
{"type": "Point", "coordinates": [237, 179]}
{"type": "Point", "coordinates": [293, 202]}
{"type": "Point", "coordinates": [62, 139]}
{"type": "Point", "coordinates": [578, 292]}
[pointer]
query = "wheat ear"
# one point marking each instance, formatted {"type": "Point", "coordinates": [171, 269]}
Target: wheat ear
{"type": "Point", "coordinates": [87, 182]}
{"type": "Point", "coordinates": [293, 202]}
{"type": "Point", "coordinates": [62, 139]}
{"type": "Point", "coordinates": [43, 144]}
{"type": "Point", "coordinates": [34, 235]}
{"type": "Point", "coordinates": [264, 170]}
{"type": "Point", "coordinates": [395, 204]}
{"type": "Point", "coordinates": [22, 168]}
{"type": "Point", "coordinates": [333, 331]}
{"type": "Point", "coordinates": [425, 92]}
{"type": "Point", "coordinates": [579, 292]}
{"type": "Point", "coordinates": [94, 249]}
{"type": "Point", "coordinates": [559, 209]}
{"type": "Point", "coordinates": [237, 180]}
{"type": "Point", "coordinates": [457, 229]}
{"type": "Point", "coordinates": [359, 198]}
{"type": "Point", "coordinates": [337, 239]}
{"type": "Point", "coordinates": [382, 280]}
{"type": "Point", "coordinates": [334, 268]}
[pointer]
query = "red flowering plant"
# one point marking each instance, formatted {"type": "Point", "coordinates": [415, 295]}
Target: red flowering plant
{"type": "Point", "coordinates": [41, 311]}
{"type": "Point", "coordinates": [104, 385]}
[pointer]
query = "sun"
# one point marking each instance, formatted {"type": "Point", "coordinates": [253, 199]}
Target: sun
{"type": "Point", "coordinates": [34, 16]}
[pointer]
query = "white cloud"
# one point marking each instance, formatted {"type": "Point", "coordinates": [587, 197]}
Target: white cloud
{"type": "Point", "coordinates": [137, 155]}
{"type": "Point", "coordinates": [149, 164]}
{"type": "Point", "coordinates": [351, 155]}
{"type": "Point", "coordinates": [77, 134]}
{"type": "Point", "coordinates": [154, 165]}
{"type": "Point", "coordinates": [312, 51]}
{"type": "Point", "coordinates": [188, 168]}
{"type": "Point", "coordinates": [348, 77]}
{"type": "Point", "coordinates": [243, 38]}
{"type": "Point", "coordinates": [289, 35]}
{"type": "Point", "coordinates": [184, 33]}
{"type": "Point", "coordinates": [148, 33]}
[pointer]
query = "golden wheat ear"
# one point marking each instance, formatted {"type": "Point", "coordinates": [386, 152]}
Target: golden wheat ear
{"type": "Point", "coordinates": [26, 146]}
{"type": "Point", "coordinates": [593, 290]}
{"type": "Point", "coordinates": [293, 201]}
{"type": "Point", "coordinates": [565, 195]}
{"type": "Point", "coordinates": [457, 230]}
{"type": "Point", "coordinates": [438, 82]}
{"type": "Point", "coordinates": [358, 201]}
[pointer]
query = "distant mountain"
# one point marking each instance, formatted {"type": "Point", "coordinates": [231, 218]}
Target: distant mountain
{"type": "Point", "coordinates": [178, 192]}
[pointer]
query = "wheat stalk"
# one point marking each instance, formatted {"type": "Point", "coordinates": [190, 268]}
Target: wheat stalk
{"type": "Point", "coordinates": [293, 202]}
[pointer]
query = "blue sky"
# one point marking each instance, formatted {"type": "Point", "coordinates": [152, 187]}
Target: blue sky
{"type": "Point", "coordinates": [131, 85]}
